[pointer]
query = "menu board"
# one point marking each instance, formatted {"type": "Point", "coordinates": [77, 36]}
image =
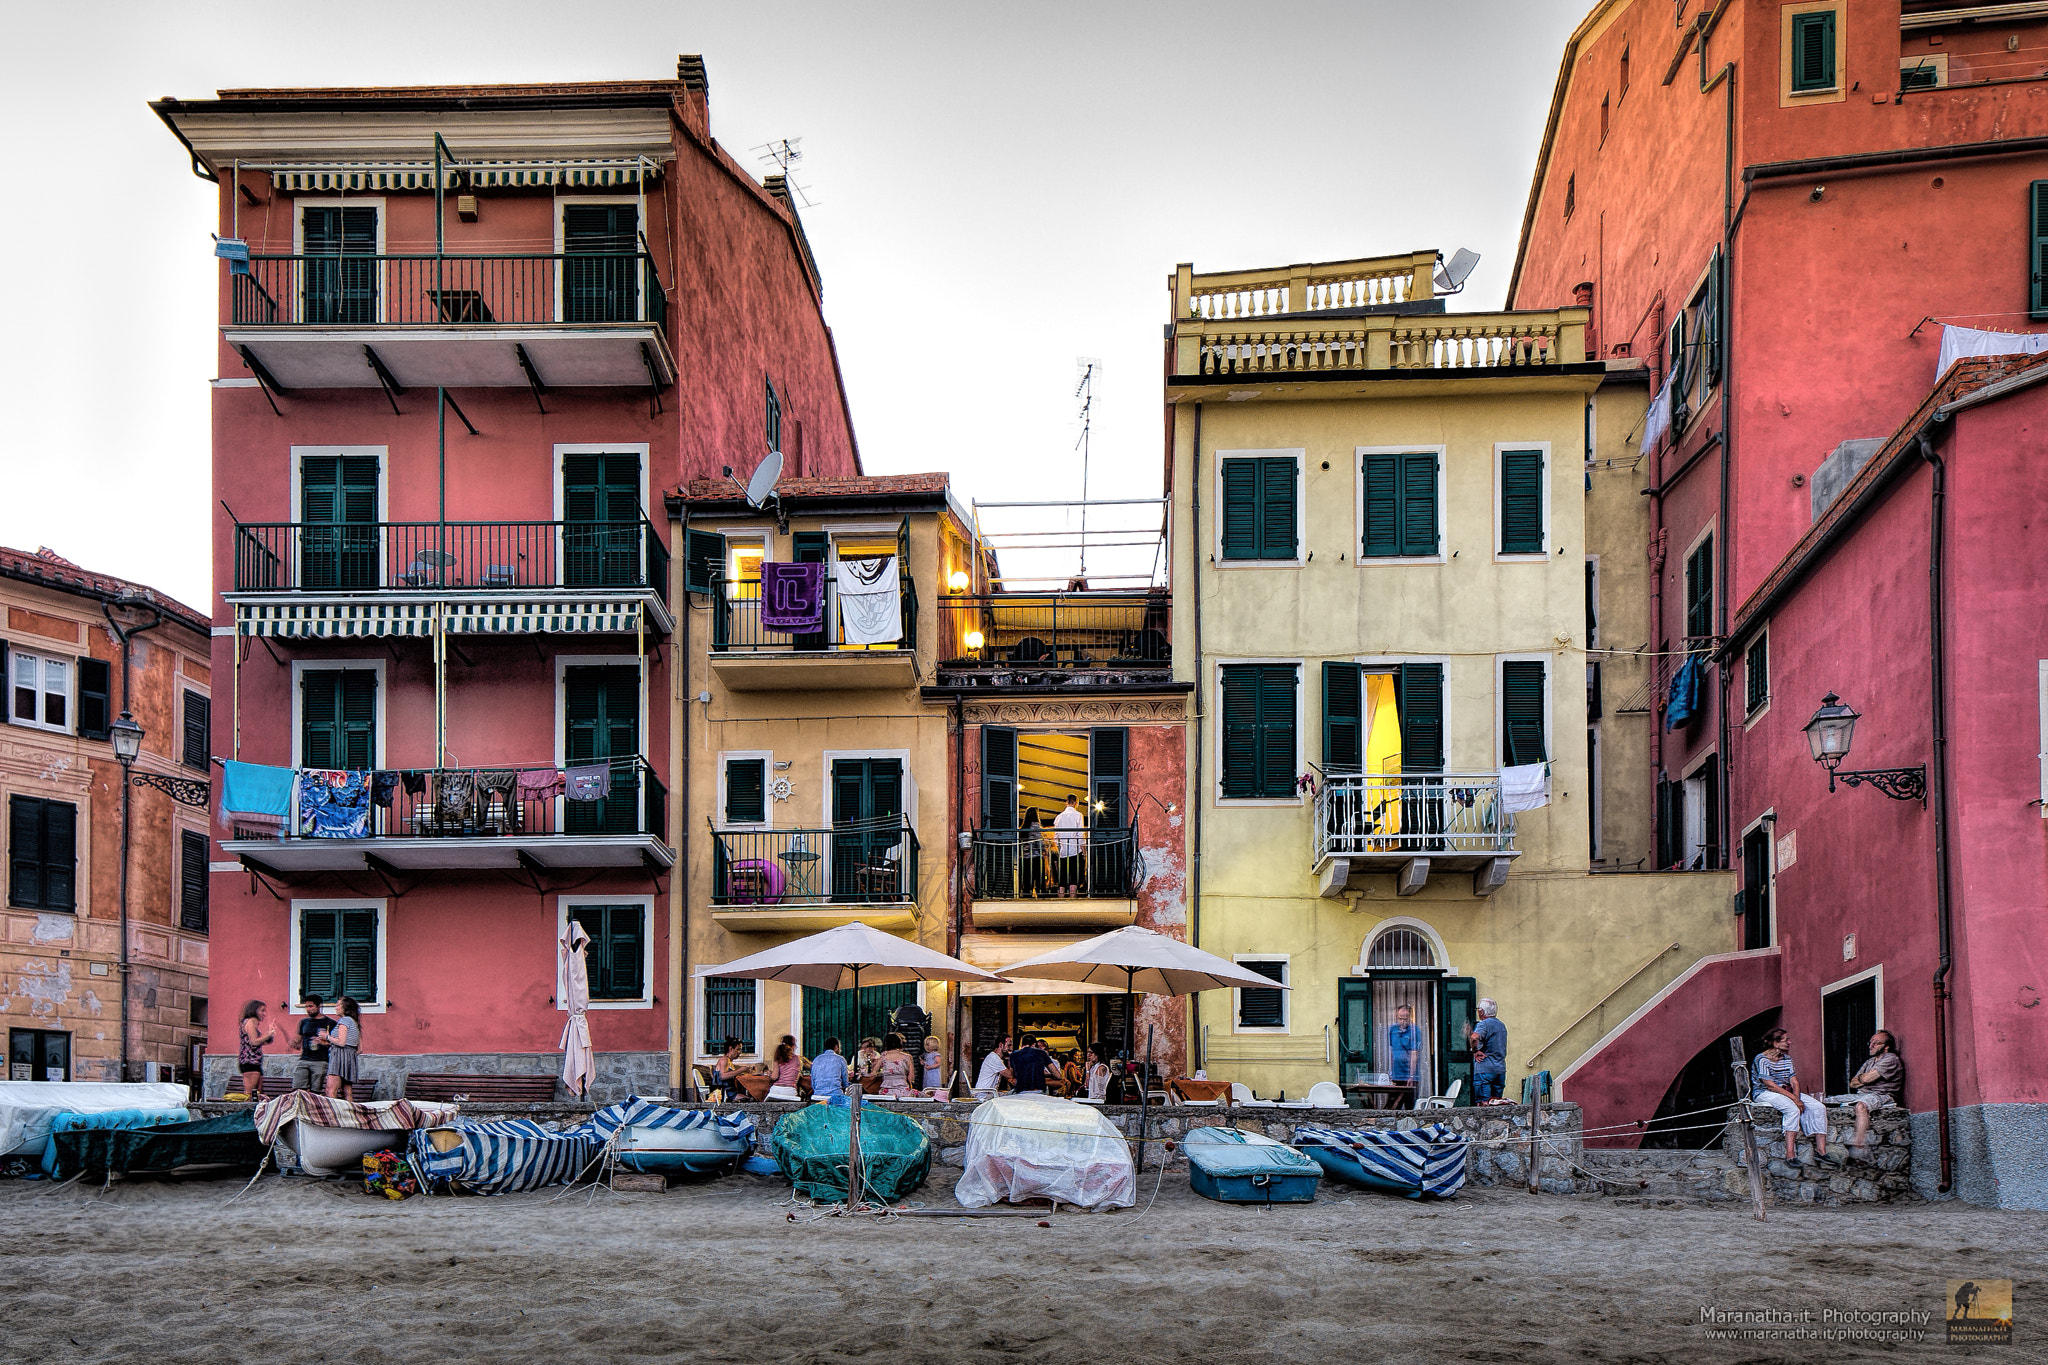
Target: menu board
{"type": "Point", "coordinates": [991, 1021]}
{"type": "Point", "coordinates": [1112, 1023]}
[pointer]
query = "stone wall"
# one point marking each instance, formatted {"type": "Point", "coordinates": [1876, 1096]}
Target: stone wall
{"type": "Point", "coordinates": [619, 1074]}
{"type": "Point", "coordinates": [1716, 1174]}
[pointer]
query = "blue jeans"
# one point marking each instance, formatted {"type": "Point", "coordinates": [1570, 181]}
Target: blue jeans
{"type": "Point", "coordinates": [1486, 1087]}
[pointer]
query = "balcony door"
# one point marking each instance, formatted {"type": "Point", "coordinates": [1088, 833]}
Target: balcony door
{"type": "Point", "coordinates": [601, 724]}
{"type": "Point", "coordinates": [338, 718]}
{"type": "Point", "coordinates": [338, 508]}
{"type": "Point", "coordinates": [869, 847]}
{"type": "Point", "coordinates": [340, 271]}
{"type": "Point", "coordinates": [600, 262]}
{"type": "Point", "coordinates": [601, 521]}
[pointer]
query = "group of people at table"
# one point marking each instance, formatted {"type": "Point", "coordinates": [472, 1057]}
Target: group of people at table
{"type": "Point", "coordinates": [884, 1066]}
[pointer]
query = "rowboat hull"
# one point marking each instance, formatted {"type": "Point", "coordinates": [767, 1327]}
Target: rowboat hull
{"type": "Point", "coordinates": [699, 1151]}
{"type": "Point", "coordinates": [1232, 1167]}
{"type": "Point", "coordinates": [339, 1151]}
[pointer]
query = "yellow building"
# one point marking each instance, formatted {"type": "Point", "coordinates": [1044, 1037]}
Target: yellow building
{"type": "Point", "coordinates": [1380, 569]}
{"type": "Point", "coordinates": [819, 782]}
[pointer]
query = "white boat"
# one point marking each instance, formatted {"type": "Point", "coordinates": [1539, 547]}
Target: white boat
{"type": "Point", "coordinates": [643, 1147]}
{"type": "Point", "coordinates": [339, 1151]}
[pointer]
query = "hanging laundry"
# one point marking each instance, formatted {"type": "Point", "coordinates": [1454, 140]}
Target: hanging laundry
{"type": "Point", "coordinates": [383, 789]}
{"type": "Point", "coordinates": [1684, 701]}
{"type": "Point", "coordinates": [539, 784]}
{"type": "Point", "coordinates": [334, 804]}
{"type": "Point", "coordinates": [252, 789]}
{"type": "Point", "coordinates": [870, 605]}
{"type": "Point", "coordinates": [589, 783]}
{"type": "Point", "coordinates": [1525, 786]}
{"type": "Point", "coordinates": [1657, 421]}
{"type": "Point", "coordinates": [792, 597]}
{"type": "Point", "coordinates": [415, 781]}
{"type": "Point", "coordinates": [454, 791]}
{"type": "Point", "coordinates": [1958, 342]}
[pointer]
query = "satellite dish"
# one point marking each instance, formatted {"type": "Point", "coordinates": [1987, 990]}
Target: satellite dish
{"type": "Point", "coordinates": [1451, 278]}
{"type": "Point", "coordinates": [761, 486]}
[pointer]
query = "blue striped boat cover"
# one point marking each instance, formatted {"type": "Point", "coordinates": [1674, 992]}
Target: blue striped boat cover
{"type": "Point", "coordinates": [500, 1156]}
{"type": "Point", "coordinates": [735, 1127]}
{"type": "Point", "coordinates": [1429, 1159]}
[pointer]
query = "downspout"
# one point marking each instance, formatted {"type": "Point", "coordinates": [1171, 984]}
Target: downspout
{"type": "Point", "coordinates": [959, 863]}
{"type": "Point", "coordinates": [1197, 793]}
{"type": "Point", "coordinates": [1936, 547]}
{"type": "Point", "coordinates": [680, 757]}
{"type": "Point", "coordinates": [1724, 269]}
{"type": "Point", "coordinates": [124, 636]}
{"type": "Point", "coordinates": [1654, 552]}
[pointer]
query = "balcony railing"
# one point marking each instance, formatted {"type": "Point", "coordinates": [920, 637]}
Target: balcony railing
{"type": "Point", "coordinates": [465, 556]}
{"type": "Point", "coordinates": [475, 803]}
{"type": "Point", "coordinates": [736, 621]}
{"type": "Point", "coordinates": [447, 291]}
{"type": "Point", "coordinates": [1014, 864]}
{"type": "Point", "coordinates": [1411, 815]}
{"type": "Point", "coordinates": [1081, 628]}
{"type": "Point", "coordinates": [871, 862]}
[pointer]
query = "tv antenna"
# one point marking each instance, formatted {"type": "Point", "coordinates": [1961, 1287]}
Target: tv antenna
{"type": "Point", "coordinates": [1450, 278]}
{"type": "Point", "coordinates": [1084, 391]}
{"type": "Point", "coordinates": [759, 489]}
{"type": "Point", "coordinates": [783, 154]}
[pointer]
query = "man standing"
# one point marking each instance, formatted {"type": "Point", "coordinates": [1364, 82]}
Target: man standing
{"type": "Point", "coordinates": [1069, 838]}
{"type": "Point", "coordinates": [1489, 1054]}
{"type": "Point", "coordinates": [1404, 1045]}
{"type": "Point", "coordinates": [311, 1071]}
{"type": "Point", "coordinates": [994, 1070]}
{"type": "Point", "coordinates": [1028, 1066]}
{"type": "Point", "coordinates": [828, 1074]}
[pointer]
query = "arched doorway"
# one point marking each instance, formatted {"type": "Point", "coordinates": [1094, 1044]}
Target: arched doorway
{"type": "Point", "coordinates": [1403, 1019]}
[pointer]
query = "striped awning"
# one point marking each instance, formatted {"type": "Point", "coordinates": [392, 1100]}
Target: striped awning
{"type": "Point", "coordinates": [314, 621]}
{"type": "Point", "coordinates": [410, 175]}
{"type": "Point", "coordinates": [543, 618]}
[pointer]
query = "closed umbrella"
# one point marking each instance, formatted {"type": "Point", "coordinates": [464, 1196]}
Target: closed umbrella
{"type": "Point", "coordinates": [579, 1063]}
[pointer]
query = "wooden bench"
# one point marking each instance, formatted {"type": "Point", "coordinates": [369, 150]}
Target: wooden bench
{"type": "Point", "coordinates": [479, 1089]}
{"type": "Point", "coordinates": [273, 1086]}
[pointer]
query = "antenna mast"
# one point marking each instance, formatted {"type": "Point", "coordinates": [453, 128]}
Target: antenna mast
{"type": "Point", "coordinates": [1085, 392]}
{"type": "Point", "coordinates": [784, 153]}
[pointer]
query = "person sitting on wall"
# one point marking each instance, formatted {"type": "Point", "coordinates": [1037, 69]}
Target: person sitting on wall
{"type": "Point", "coordinates": [828, 1074]}
{"type": "Point", "coordinates": [1777, 1084]}
{"type": "Point", "coordinates": [1489, 1054]}
{"type": "Point", "coordinates": [1881, 1082]}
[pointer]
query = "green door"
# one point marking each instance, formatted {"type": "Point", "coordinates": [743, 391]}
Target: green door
{"type": "Point", "coordinates": [601, 521]}
{"type": "Point", "coordinates": [1457, 1013]}
{"type": "Point", "coordinates": [1354, 1029]}
{"type": "Point", "coordinates": [868, 839]}
{"type": "Point", "coordinates": [601, 721]}
{"type": "Point", "coordinates": [338, 508]}
{"type": "Point", "coordinates": [600, 262]}
{"type": "Point", "coordinates": [833, 1014]}
{"type": "Point", "coordinates": [340, 276]}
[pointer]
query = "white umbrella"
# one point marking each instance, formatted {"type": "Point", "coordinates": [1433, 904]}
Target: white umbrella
{"type": "Point", "coordinates": [579, 1063]}
{"type": "Point", "coordinates": [840, 959]}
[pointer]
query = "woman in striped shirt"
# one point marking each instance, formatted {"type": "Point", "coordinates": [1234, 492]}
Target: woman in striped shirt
{"type": "Point", "coordinates": [1777, 1084]}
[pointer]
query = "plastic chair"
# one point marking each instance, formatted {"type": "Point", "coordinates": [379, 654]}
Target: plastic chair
{"type": "Point", "coordinates": [1325, 1095]}
{"type": "Point", "coordinates": [1447, 1100]}
{"type": "Point", "coordinates": [1241, 1095]}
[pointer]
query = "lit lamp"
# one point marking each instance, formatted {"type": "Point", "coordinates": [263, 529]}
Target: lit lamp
{"type": "Point", "coordinates": [1829, 734]}
{"type": "Point", "coordinates": [958, 580]}
{"type": "Point", "coordinates": [975, 639]}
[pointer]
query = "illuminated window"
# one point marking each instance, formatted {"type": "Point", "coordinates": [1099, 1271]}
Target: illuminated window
{"type": "Point", "coordinates": [743, 570]}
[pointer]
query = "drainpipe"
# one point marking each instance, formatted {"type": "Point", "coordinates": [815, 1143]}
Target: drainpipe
{"type": "Point", "coordinates": [1197, 792]}
{"type": "Point", "coordinates": [1654, 552]}
{"type": "Point", "coordinates": [1936, 545]}
{"type": "Point", "coordinates": [124, 635]}
{"type": "Point", "coordinates": [1725, 270]}
{"type": "Point", "coordinates": [680, 769]}
{"type": "Point", "coordinates": [959, 863]}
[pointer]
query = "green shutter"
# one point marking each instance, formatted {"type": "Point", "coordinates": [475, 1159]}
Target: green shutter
{"type": "Point", "coordinates": [319, 951]}
{"type": "Point", "coordinates": [1354, 1029]}
{"type": "Point", "coordinates": [1277, 538]}
{"type": "Point", "coordinates": [601, 504]}
{"type": "Point", "coordinates": [1261, 1006]}
{"type": "Point", "coordinates": [1454, 1035]}
{"type": "Point", "coordinates": [998, 777]}
{"type": "Point", "coordinates": [1521, 502]}
{"type": "Point", "coordinates": [1710, 326]}
{"type": "Point", "coordinates": [1241, 482]}
{"type": "Point", "coordinates": [601, 721]}
{"type": "Point", "coordinates": [1108, 764]}
{"type": "Point", "coordinates": [1757, 674]}
{"type": "Point", "coordinates": [338, 718]}
{"type": "Point", "coordinates": [1522, 706]}
{"type": "Point", "coordinates": [95, 714]}
{"type": "Point", "coordinates": [1400, 505]}
{"type": "Point", "coordinates": [1813, 51]}
{"type": "Point", "coordinates": [1418, 503]}
{"type": "Point", "coordinates": [746, 796]}
{"type": "Point", "coordinates": [25, 851]}
{"type": "Point", "coordinates": [1343, 718]}
{"type": "Point", "coordinates": [1258, 731]}
{"type": "Point", "coordinates": [358, 956]}
{"type": "Point", "coordinates": [774, 413]}
{"type": "Point", "coordinates": [2037, 256]}
{"type": "Point", "coordinates": [814, 547]}
{"type": "Point", "coordinates": [198, 730]}
{"type": "Point", "coordinates": [1699, 590]}
{"type": "Point", "coordinates": [703, 559]}
{"type": "Point", "coordinates": [728, 1012]}
{"type": "Point", "coordinates": [625, 953]}
{"type": "Point", "coordinates": [1421, 702]}
{"type": "Point", "coordinates": [192, 881]}
{"type": "Point", "coordinates": [1240, 707]}
{"type": "Point", "coordinates": [601, 289]}
{"type": "Point", "coordinates": [1382, 506]}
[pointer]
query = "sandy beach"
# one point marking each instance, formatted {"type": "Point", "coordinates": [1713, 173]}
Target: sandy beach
{"type": "Point", "coordinates": [313, 1271]}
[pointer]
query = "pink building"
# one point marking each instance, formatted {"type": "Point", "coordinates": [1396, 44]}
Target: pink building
{"type": "Point", "coordinates": [1783, 207]}
{"type": "Point", "coordinates": [479, 332]}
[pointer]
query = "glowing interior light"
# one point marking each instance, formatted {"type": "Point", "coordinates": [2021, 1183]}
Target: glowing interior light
{"type": "Point", "coordinates": [958, 581]}
{"type": "Point", "coordinates": [974, 639]}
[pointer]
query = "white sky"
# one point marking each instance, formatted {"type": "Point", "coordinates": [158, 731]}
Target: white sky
{"type": "Point", "coordinates": [999, 191]}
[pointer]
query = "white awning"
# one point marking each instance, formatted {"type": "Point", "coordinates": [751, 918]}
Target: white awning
{"type": "Point", "coordinates": [377, 620]}
{"type": "Point", "coordinates": [419, 175]}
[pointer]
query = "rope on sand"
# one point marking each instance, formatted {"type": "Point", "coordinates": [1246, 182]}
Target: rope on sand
{"type": "Point", "coordinates": [260, 1167]}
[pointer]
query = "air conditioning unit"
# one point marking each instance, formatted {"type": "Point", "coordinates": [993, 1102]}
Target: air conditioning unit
{"type": "Point", "coordinates": [164, 1072]}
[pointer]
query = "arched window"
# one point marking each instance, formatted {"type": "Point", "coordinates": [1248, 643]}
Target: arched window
{"type": "Point", "coordinates": [1399, 947]}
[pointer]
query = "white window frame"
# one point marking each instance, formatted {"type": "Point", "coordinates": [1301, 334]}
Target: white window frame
{"type": "Point", "coordinates": [1423, 927]}
{"type": "Point", "coordinates": [563, 905]}
{"type": "Point", "coordinates": [1500, 706]}
{"type": "Point", "coordinates": [332, 201]}
{"type": "Point", "coordinates": [1443, 516]}
{"type": "Point", "coordinates": [1500, 449]}
{"type": "Point", "coordinates": [708, 1049]}
{"type": "Point", "coordinates": [299, 669]}
{"type": "Point", "coordinates": [1763, 634]}
{"type": "Point", "coordinates": [566, 448]}
{"type": "Point", "coordinates": [1690, 809]}
{"type": "Point", "coordinates": [1286, 982]}
{"type": "Point", "coordinates": [767, 759]}
{"type": "Point", "coordinates": [1706, 533]}
{"type": "Point", "coordinates": [1867, 974]}
{"type": "Point", "coordinates": [1216, 796]}
{"type": "Point", "coordinates": [42, 660]}
{"type": "Point", "coordinates": [825, 786]}
{"type": "Point", "coordinates": [382, 455]}
{"type": "Point", "coordinates": [561, 248]}
{"type": "Point", "coordinates": [565, 662]}
{"type": "Point", "coordinates": [298, 937]}
{"type": "Point", "coordinates": [1299, 454]}
{"type": "Point", "coordinates": [1768, 822]}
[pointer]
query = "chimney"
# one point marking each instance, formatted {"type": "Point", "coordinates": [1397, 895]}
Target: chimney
{"type": "Point", "coordinates": [690, 71]}
{"type": "Point", "coordinates": [1582, 297]}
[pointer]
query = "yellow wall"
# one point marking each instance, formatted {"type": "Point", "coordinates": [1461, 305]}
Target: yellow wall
{"type": "Point", "coordinates": [1556, 940]}
{"type": "Point", "coordinates": [1618, 532]}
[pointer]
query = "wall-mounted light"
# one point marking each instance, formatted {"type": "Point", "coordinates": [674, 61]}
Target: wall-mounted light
{"type": "Point", "coordinates": [958, 580]}
{"type": "Point", "coordinates": [1829, 735]}
{"type": "Point", "coordinates": [975, 639]}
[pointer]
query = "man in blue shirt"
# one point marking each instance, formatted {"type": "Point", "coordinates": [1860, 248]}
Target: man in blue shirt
{"type": "Point", "coordinates": [1489, 1054]}
{"type": "Point", "coordinates": [1028, 1064]}
{"type": "Point", "coordinates": [828, 1074]}
{"type": "Point", "coordinates": [1404, 1046]}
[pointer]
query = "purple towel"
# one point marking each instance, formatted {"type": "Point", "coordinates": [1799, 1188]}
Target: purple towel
{"type": "Point", "coordinates": [792, 596]}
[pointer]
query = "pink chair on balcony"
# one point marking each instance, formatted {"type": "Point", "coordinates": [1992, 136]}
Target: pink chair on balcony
{"type": "Point", "coordinates": [753, 881]}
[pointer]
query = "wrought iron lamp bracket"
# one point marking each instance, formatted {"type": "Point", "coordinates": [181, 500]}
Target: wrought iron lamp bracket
{"type": "Point", "coordinates": [1900, 784]}
{"type": "Point", "coordinates": [185, 791]}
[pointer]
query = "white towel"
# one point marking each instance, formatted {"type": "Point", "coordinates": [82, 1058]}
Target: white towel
{"type": "Point", "coordinates": [1958, 342]}
{"type": "Point", "coordinates": [870, 607]}
{"type": "Point", "coordinates": [1525, 787]}
{"type": "Point", "coordinates": [1657, 420]}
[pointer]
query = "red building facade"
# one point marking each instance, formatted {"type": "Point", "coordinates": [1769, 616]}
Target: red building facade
{"type": "Point", "coordinates": [1787, 204]}
{"type": "Point", "coordinates": [479, 332]}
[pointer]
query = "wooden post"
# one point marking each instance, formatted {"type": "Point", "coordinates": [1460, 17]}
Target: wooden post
{"type": "Point", "coordinates": [1535, 1132]}
{"type": "Point", "coordinates": [853, 1144]}
{"type": "Point", "coordinates": [1745, 1132]}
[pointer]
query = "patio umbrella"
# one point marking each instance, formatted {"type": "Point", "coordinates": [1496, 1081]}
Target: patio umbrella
{"type": "Point", "coordinates": [1141, 960]}
{"type": "Point", "coordinates": [579, 1063]}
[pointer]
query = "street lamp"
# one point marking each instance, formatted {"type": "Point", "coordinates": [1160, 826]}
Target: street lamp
{"type": "Point", "coordinates": [1829, 734]}
{"type": "Point", "coordinates": [127, 738]}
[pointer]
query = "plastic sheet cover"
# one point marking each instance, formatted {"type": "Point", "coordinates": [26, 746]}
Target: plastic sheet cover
{"type": "Point", "coordinates": [811, 1150]}
{"type": "Point", "coordinates": [27, 1107]}
{"type": "Point", "coordinates": [1027, 1148]}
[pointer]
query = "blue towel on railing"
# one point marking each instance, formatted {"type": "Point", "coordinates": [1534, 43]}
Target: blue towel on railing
{"type": "Point", "coordinates": [1685, 694]}
{"type": "Point", "coordinates": [252, 789]}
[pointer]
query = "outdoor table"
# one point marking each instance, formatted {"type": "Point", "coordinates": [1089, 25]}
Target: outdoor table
{"type": "Point", "coordinates": [1192, 1089]}
{"type": "Point", "coordinates": [1384, 1095]}
{"type": "Point", "coordinates": [803, 867]}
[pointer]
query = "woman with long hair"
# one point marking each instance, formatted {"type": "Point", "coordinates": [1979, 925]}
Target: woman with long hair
{"type": "Point", "coordinates": [787, 1070]}
{"type": "Point", "coordinates": [898, 1068]}
{"type": "Point", "coordinates": [255, 1032]}
{"type": "Point", "coordinates": [344, 1042]}
{"type": "Point", "coordinates": [1098, 1073]}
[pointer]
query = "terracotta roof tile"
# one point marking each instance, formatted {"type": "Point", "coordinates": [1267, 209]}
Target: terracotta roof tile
{"type": "Point", "coordinates": [863, 485]}
{"type": "Point", "coordinates": [53, 570]}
